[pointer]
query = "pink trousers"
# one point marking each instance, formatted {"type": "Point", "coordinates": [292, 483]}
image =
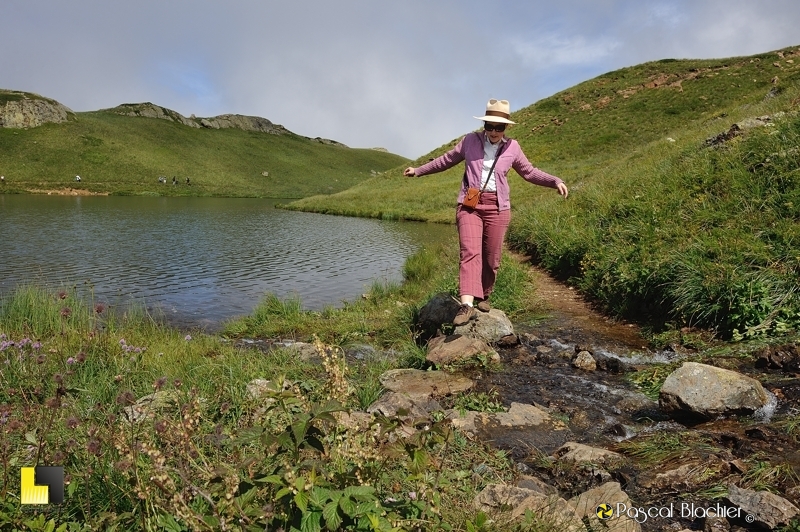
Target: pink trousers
{"type": "Point", "coordinates": [480, 234]}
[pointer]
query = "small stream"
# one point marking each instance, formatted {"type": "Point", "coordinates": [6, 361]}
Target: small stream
{"type": "Point", "coordinates": [602, 408]}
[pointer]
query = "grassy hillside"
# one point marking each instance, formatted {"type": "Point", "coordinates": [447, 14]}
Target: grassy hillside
{"type": "Point", "coordinates": [577, 131]}
{"type": "Point", "coordinates": [659, 225]}
{"type": "Point", "coordinates": [126, 155]}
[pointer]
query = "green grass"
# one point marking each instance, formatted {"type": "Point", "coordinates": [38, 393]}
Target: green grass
{"type": "Point", "coordinates": [70, 368]}
{"type": "Point", "coordinates": [125, 155]}
{"type": "Point", "coordinates": [658, 227]}
{"type": "Point", "coordinates": [385, 315]}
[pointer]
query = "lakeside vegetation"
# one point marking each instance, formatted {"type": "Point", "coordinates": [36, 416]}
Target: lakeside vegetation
{"type": "Point", "coordinates": [204, 453]}
{"type": "Point", "coordinates": [661, 225]}
{"type": "Point", "coordinates": [124, 155]}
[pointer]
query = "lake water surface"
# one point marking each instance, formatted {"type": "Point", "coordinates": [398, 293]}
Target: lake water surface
{"type": "Point", "coordinates": [199, 260]}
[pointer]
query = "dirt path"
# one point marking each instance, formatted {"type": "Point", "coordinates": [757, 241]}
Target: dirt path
{"type": "Point", "coordinates": [573, 317]}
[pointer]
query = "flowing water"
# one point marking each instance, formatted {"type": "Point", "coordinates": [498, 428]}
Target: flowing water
{"type": "Point", "coordinates": [199, 260]}
{"type": "Point", "coordinates": [603, 409]}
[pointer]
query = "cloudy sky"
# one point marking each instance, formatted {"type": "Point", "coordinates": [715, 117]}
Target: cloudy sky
{"type": "Point", "coordinates": [407, 75]}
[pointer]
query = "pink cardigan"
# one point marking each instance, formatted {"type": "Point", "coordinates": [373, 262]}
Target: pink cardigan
{"type": "Point", "coordinates": [470, 149]}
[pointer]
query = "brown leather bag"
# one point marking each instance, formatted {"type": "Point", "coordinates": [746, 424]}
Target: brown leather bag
{"type": "Point", "coordinates": [471, 198]}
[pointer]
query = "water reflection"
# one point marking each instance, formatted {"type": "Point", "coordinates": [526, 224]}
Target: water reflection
{"type": "Point", "coordinates": [201, 260]}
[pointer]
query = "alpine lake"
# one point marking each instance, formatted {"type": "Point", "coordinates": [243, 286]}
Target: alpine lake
{"type": "Point", "coordinates": [199, 261]}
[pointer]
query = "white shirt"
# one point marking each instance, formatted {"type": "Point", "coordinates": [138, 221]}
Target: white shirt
{"type": "Point", "coordinates": [489, 153]}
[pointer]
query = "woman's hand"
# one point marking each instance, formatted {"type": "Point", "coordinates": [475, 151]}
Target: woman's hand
{"type": "Point", "coordinates": [410, 172]}
{"type": "Point", "coordinates": [563, 190]}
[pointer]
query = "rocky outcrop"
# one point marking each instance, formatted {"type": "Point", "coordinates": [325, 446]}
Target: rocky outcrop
{"type": "Point", "coordinates": [740, 127]}
{"type": "Point", "coordinates": [329, 142]}
{"type": "Point", "coordinates": [227, 121]}
{"type": "Point", "coordinates": [25, 109]}
{"type": "Point", "coordinates": [246, 123]}
{"type": "Point", "coordinates": [700, 392]}
{"type": "Point", "coordinates": [150, 110]}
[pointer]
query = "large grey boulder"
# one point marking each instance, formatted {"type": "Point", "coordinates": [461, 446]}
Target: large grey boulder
{"type": "Point", "coordinates": [700, 392]}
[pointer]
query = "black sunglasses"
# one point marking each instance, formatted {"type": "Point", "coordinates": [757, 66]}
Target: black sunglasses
{"type": "Point", "coordinates": [488, 126]}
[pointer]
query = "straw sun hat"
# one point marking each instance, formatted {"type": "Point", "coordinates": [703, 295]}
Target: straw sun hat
{"type": "Point", "coordinates": [497, 111]}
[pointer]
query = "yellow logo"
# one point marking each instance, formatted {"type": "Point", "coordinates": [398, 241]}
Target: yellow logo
{"type": "Point", "coordinates": [42, 485]}
{"type": "Point", "coordinates": [605, 511]}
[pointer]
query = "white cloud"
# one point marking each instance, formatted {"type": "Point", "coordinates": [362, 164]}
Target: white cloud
{"type": "Point", "coordinates": [407, 76]}
{"type": "Point", "coordinates": [553, 50]}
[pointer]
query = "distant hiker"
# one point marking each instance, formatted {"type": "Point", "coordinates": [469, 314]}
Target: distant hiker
{"type": "Point", "coordinates": [484, 210]}
{"type": "Point", "coordinates": [3, 179]}
{"type": "Point", "coordinates": [187, 181]}
{"type": "Point", "coordinates": [174, 181]}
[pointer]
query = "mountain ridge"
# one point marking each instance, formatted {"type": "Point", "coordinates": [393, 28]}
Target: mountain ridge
{"type": "Point", "coordinates": [20, 110]}
{"type": "Point", "coordinates": [136, 149]}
